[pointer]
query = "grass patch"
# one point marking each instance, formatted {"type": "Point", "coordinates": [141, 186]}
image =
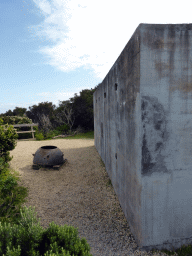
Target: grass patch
{"type": "Point", "coordinates": [71, 135]}
{"type": "Point", "coordinates": [182, 251]}
{"type": "Point", "coordinates": [87, 135]}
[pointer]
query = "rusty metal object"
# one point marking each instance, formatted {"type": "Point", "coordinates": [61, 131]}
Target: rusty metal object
{"type": "Point", "coordinates": [48, 156]}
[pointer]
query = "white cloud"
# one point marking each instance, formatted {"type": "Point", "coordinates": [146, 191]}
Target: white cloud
{"type": "Point", "coordinates": [85, 34]}
{"type": "Point", "coordinates": [92, 34]}
{"type": "Point", "coordinates": [43, 5]}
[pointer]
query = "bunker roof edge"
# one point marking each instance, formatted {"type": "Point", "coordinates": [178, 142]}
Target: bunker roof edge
{"type": "Point", "coordinates": [151, 26]}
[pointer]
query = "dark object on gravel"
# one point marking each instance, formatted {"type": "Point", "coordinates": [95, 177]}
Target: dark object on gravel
{"type": "Point", "coordinates": [50, 156]}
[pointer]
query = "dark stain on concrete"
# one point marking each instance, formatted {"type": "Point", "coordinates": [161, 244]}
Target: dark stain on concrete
{"type": "Point", "coordinates": [182, 86]}
{"type": "Point", "coordinates": [154, 135]}
{"type": "Point", "coordinates": [153, 41]}
{"type": "Point", "coordinates": [101, 130]}
{"type": "Point", "coordinates": [158, 145]}
{"type": "Point", "coordinates": [154, 36]}
{"type": "Point", "coordinates": [146, 157]}
{"type": "Point", "coordinates": [162, 68]}
{"type": "Point", "coordinates": [171, 31]}
{"type": "Point", "coordinates": [119, 134]}
{"type": "Point", "coordinates": [186, 43]}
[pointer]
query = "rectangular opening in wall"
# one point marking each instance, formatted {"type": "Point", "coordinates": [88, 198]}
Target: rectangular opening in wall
{"type": "Point", "coordinates": [104, 94]}
{"type": "Point", "coordinates": [116, 87]}
{"type": "Point", "coordinates": [101, 130]}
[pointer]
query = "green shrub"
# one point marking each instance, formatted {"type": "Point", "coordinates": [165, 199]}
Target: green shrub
{"type": "Point", "coordinates": [65, 237]}
{"type": "Point", "coordinates": [50, 135]}
{"type": "Point", "coordinates": [12, 196]}
{"type": "Point", "coordinates": [63, 128]}
{"type": "Point", "coordinates": [8, 141]}
{"type": "Point", "coordinates": [56, 132]}
{"type": "Point", "coordinates": [11, 120]}
{"type": "Point", "coordinates": [27, 237]}
{"type": "Point", "coordinates": [24, 136]}
{"type": "Point", "coordinates": [36, 128]}
{"type": "Point", "coordinates": [39, 136]}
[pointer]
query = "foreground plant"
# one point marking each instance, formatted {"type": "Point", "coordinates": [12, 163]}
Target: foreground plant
{"type": "Point", "coordinates": [12, 196]}
{"type": "Point", "coordinates": [28, 238]}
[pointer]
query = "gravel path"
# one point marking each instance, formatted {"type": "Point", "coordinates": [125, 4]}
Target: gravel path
{"type": "Point", "coordinates": [77, 195]}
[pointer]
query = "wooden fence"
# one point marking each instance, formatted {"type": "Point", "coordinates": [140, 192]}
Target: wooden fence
{"type": "Point", "coordinates": [24, 125]}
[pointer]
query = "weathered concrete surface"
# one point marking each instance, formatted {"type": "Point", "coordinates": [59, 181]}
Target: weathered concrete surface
{"type": "Point", "coordinates": [143, 126]}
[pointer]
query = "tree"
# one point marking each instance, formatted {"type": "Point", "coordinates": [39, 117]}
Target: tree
{"type": "Point", "coordinates": [77, 111]}
{"type": "Point", "coordinates": [83, 109]}
{"type": "Point", "coordinates": [45, 123]}
{"type": "Point", "coordinates": [19, 111]}
{"type": "Point", "coordinates": [58, 116]}
{"type": "Point", "coordinates": [35, 112]}
{"type": "Point", "coordinates": [9, 113]}
{"type": "Point", "coordinates": [64, 114]}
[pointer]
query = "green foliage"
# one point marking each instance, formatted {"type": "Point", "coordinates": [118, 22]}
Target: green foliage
{"type": "Point", "coordinates": [20, 232]}
{"type": "Point", "coordinates": [36, 128]}
{"type": "Point", "coordinates": [87, 135]}
{"type": "Point", "coordinates": [185, 250]}
{"type": "Point", "coordinates": [63, 115]}
{"type": "Point", "coordinates": [46, 108]}
{"type": "Point", "coordinates": [83, 109]}
{"type": "Point", "coordinates": [14, 252]}
{"type": "Point", "coordinates": [12, 196]}
{"type": "Point", "coordinates": [63, 238]}
{"type": "Point", "coordinates": [11, 120]}
{"type": "Point", "coordinates": [7, 141]}
{"type": "Point", "coordinates": [50, 135]}
{"type": "Point", "coordinates": [24, 135]}
{"type": "Point", "coordinates": [63, 128]}
{"type": "Point", "coordinates": [1, 121]}
{"type": "Point", "coordinates": [19, 111]}
{"type": "Point", "coordinates": [16, 112]}
{"type": "Point", "coordinates": [27, 237]}
{"type": "Point", "coordinates": [55, 132]}
{"type": "Point", "coordinates": [9, 113]}
{"type": "Point", "coordinates": [39, 136]}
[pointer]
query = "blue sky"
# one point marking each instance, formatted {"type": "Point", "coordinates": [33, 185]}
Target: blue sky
{"type": "Point", "coordinates": [52, 49]}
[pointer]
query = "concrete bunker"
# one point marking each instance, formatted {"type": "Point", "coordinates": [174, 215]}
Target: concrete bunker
{"type": "Point", "coordinates": [142, 129]}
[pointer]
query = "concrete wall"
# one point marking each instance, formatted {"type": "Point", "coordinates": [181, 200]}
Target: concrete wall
{"type": "Point", "coordinates": [143, 126]}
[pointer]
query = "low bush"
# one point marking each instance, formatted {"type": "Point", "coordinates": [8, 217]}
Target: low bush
{"type": "Point", "coordinates": [28, 238]}
{"type": "Point", "coordinates": [50, 135]}
{"type": "Point", "coordinates": [63, 128]}
{"type": "Point", "coordinates": [7, 141]}
{"type": "Point", "coordinates": [39, 136]}
{"type": "Point", "coordinates": [56, 132]}
{"type": "Point", "coordinates": [12, 196]}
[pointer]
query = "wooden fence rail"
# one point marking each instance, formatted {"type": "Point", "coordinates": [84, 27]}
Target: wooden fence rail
{"type": "Point", "coordinates": [24, 125]}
